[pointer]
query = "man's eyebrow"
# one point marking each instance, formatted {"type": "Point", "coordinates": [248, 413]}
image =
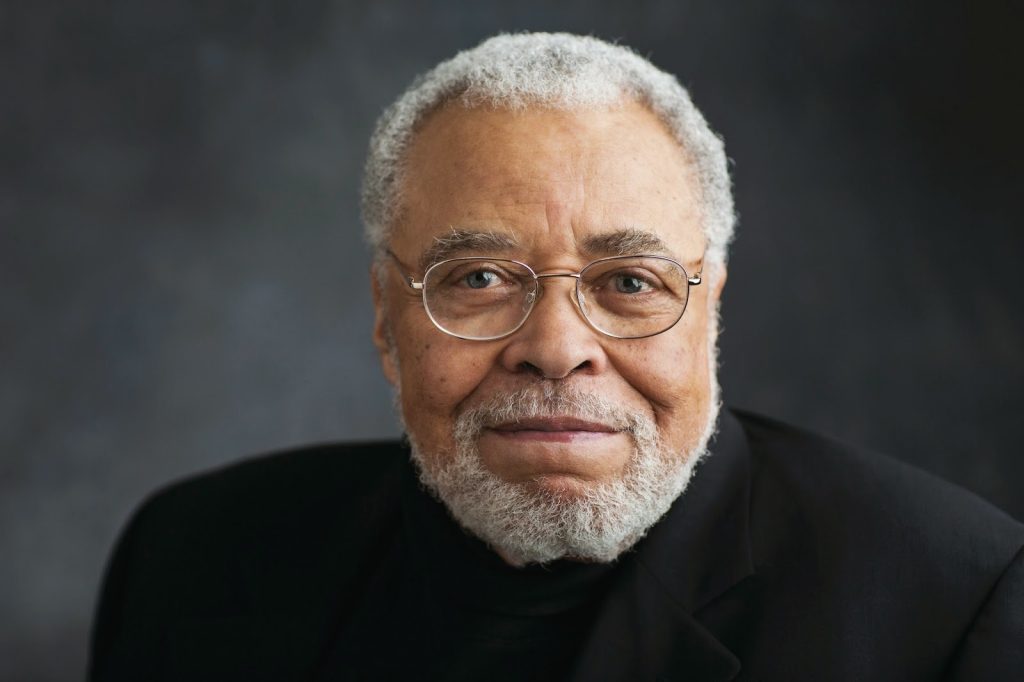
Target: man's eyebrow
{"type": "Point", "coordinates": [461, 241]}
{"type": "Point", "coordinates": [626, 242]}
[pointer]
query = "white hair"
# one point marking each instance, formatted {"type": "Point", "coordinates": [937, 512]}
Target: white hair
{"type": "Point", "coordinates": [554, 70]}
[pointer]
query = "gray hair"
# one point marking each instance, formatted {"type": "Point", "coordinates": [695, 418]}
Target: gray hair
{"type": "Point", "coordinates": [556, 70]}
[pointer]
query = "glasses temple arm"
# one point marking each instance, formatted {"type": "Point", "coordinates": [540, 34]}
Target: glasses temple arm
{"type": "Point", "coordinates": [409, 279]}
{"type": "Point", "coordinates": [699, 277]}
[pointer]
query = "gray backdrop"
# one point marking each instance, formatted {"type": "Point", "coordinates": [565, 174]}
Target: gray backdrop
{"type": "Point", "coordinates": [182, 281]}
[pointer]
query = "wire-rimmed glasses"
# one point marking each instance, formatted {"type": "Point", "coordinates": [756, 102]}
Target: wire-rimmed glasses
{"type": "Point", "coordinates": [481, 299]}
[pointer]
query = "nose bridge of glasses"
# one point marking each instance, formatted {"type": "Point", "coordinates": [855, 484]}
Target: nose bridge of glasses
{"type": "Point", "coordinates": [537, 292]}
{"type": "Point", "coordinates": [547, 275]}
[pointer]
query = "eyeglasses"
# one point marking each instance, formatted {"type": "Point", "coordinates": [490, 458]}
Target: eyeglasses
{"type": "Point", "coordinates": [482, 299]}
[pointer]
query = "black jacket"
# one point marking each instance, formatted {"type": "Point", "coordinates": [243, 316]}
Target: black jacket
{"type": "Point", "coordinates": [790, 557]}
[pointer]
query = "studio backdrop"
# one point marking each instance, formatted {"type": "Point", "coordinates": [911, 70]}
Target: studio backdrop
{"type": "Point", "coordinates": [183, 281]}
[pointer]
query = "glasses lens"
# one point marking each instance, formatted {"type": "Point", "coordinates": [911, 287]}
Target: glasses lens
{"type": "Point", "coordinates": [479, 298]}
{"type": "Point", "coordinates": [633, 297]}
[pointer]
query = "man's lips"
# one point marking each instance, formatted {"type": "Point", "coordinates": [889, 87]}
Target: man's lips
{"type": "Point", "coordinates": [560, 429]}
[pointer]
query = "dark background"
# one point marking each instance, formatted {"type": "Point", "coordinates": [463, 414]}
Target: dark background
{"type": "Point", "coordinates": [182, 281]}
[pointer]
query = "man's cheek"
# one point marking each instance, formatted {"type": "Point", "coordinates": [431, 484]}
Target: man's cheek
{"type": "Point", "coordinates": [441, 376]}
{"type": "Point", "coordinates": [673, 371]}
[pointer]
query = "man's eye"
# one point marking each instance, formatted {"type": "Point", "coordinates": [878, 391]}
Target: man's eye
{"type": "Point", "coordinates": [630, 284]}
{"type": "Point", "coordinates": [481, 279]}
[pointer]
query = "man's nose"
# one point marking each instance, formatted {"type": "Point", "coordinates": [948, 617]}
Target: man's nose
{"type": "Point", "coordinates": [556, 340]}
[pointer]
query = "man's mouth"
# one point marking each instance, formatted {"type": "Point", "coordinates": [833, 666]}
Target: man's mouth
{"type": "Point", "coordinates": [558, 429]}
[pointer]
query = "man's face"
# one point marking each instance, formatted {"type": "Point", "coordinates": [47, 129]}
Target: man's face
{"type": "Point", "coordinates": [556, 190]}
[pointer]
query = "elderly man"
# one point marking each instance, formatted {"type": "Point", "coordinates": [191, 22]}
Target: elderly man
{"type": "Point", "coordinates": [550, 218]}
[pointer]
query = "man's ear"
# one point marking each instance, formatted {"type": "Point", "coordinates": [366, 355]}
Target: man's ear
{"type": "Point", "coordinates": [382, 339]}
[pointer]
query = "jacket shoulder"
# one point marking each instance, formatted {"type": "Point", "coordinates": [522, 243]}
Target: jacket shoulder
{"type": "Point", "coordinates": [285, 538]}
{"type": "Point", "coordinates": [281, 484]}
{"type": "Point", "coordinates": [867, 543]}
{"type": "Point", "coordinates": [839, 486]}
{"type": "Point", "coordinates": [266, 507]}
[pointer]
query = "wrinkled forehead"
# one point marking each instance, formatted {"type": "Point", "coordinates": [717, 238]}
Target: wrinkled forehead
{"type": "Point", "coordinates": [549, 181]}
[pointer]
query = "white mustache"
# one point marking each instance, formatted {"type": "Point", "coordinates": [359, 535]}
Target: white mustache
{"type": "Point", "coordinates": [546, 402]}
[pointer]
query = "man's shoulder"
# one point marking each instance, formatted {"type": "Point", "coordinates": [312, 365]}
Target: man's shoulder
{"type": "Point", "coordinates": [281, 501]}
{"type": "Point", "coordinates": [206, 562]}
{"type": "Point", "coordinates": [860, 504]}
{"type": "Point", "coordinates": [843, 536]}
{"type": "Point", "coordinates": [307, 479]}
{"type": "Point", "coordinates": [329, 464]}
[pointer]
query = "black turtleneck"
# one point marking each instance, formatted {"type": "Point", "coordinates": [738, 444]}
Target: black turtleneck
{"type": "Point", "coordinates": [460, 612]}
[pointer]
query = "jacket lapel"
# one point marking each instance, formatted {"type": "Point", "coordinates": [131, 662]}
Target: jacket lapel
{"type": "Point", "coordinates": [647, 628]}
{"type": "Point", "coordinates": [641, 635]}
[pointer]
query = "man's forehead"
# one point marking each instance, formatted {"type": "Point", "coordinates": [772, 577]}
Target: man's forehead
{"type": "Point", "coordinates": [540, 184]}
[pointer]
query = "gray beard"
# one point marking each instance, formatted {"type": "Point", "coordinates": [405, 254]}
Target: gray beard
{"type": "Point", "coordinates": [527, 524]}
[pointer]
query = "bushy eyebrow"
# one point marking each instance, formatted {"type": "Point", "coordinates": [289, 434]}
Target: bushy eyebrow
{"type": "Point", "coordinates": [625, 242]}
{"type": "Point", "coordinates": [459, 242]}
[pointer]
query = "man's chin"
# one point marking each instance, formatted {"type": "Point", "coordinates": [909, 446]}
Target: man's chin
{"type": "Point", "coordinates": [559, 486]}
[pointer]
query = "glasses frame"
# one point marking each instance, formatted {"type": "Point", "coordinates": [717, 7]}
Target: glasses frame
{"type": "Point", "coordinates": [691, 280]}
